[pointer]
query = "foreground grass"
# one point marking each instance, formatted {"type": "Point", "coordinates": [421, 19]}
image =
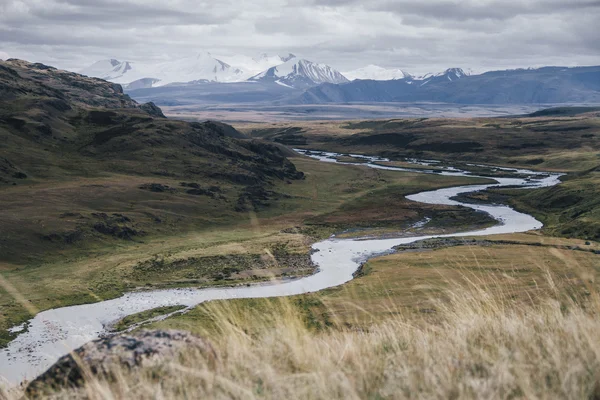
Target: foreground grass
{"type": "Point", "coordinates": [130, 320]}
{"type": "Point", "coordinates": [413, 282]}
{"type": "Point", "coordinates": [479, 344]}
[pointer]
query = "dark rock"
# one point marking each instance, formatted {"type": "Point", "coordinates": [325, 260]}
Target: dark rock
{"type": "Point", "coordinates": [153, 110]}
{"type": "Point", "coordinates": [120, 218]}
{"type": "Point", "coordinates": [190, 185]}
{"type": "Point", "coordinates": [103, 216]}
{"type": "Point", "coordinates": [117, 88]}
{"type": "Point", "coordinates": [121, 232]}
{"type": "Point", "coordinates": [19, 175]}
{"type": "Point", "coordinates": [100, 357]}
{"type": "Point", "coordinates": [156, 187]}
{"type": "Point", "coordinates": [71, 215]}
{"type": "Point", "coordinates": [42, 67]}
{"type": "Point", "coordinates": [68, 237]}
{"type": "Point", "coordinates": [101, 117]}
{"type": "Point", "coordinates": [9, 71]}
{"type": "Point", "coordinates": [223, 129]}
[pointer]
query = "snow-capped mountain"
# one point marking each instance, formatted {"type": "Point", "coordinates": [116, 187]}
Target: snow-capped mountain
{"type": "Point", "coordinates": [255, 65]}
{"type": "Point", "coordinates": [202, 67]}
{"type": "Point", "coordinates": [451, 74]}
{"type": "Point", "coordinates": [376, 73]}
{"type": "Point", "coordinates": [110, 70]}
{"type": "Point", "coordinates": [300, 73]}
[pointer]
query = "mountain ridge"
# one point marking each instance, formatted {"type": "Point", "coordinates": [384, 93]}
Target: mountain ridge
{"type": "Point", "coordinates": [300, 73]}
{"type": "Point", "coordinates": [547, 85]}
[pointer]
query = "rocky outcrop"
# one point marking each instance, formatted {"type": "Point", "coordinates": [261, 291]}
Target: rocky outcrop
{"type": "Point", "coordinates": [152, 109]}
{"type": "Point", "coordinates": [100, 357]}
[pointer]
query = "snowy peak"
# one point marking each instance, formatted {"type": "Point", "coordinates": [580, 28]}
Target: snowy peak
{"type": "Point", "coordinates": [285, 70]}
{"type": "Point", "coordinates": [453, 74]}
{"type": "Point", "coordinates": [107, 69]}
{"type": "Point", "coordinates": [377, 73]}
{"type": "Point", "coordinates": [202, 67]}
{"type": "Point", "coordinates": [253, 65]}
{"type": "Point", "coordinates": [300, 73]}
{"type": "Point", "coordinates": [449, 75]}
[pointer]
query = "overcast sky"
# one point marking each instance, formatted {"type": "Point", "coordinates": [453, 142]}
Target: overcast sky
{"type": "Point", "coordinates": [416, 35]}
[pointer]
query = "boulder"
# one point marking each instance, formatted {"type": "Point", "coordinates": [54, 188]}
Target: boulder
{"type": "Point", "coordinates": [99, 357]}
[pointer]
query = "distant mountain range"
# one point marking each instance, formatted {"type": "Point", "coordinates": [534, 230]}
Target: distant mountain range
{"type": "Point", "coordinates": [200, 68]}
{"type": "Point", "coordinates": [291, 80]}
{"type": "Point", "coordinates": [548, 85]}
{"type": "Point", "coordinates": [286, 71]}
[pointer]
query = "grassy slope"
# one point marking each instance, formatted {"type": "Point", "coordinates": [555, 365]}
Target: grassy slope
{"type": "Point", "coordinates": [82, 165]}
{"type": "Point", "coordinates": [571, 209]}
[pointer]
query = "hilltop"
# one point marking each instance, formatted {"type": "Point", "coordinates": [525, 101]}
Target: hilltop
{"type": "Point", "coordinates": [93, 164]}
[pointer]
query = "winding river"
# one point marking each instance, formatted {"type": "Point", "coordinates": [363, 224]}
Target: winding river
{"type": "Point", "coordinates": [53, 333]}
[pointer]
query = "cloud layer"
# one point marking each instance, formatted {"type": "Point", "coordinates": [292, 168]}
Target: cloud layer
{"type": "Point", "coordinates": [416, 35]}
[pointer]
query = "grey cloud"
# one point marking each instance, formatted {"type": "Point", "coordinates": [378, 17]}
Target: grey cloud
{"type": "Point", "coordinates": [297, 24]}
{"type": "Point", "coordinates": [463, 10]}
{"type": "Point", "coordinates": [498, 10]}
{"type": "Point", "coordinates": [109, 13]}
{"type": "Point", "coordinates": [418, 35]}
{"type": "Point", "coordinates": [25, 37]}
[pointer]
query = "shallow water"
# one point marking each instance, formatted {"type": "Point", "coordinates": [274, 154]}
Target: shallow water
{"type": "Point", "coordinates": [53, 333]}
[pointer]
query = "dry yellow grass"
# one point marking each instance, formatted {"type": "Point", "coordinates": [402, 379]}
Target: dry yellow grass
{"type": "Point", "coordinates": [482, 343]}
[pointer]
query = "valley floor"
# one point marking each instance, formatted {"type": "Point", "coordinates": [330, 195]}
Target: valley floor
{"type": "Point", "coordinates": [231, 248]}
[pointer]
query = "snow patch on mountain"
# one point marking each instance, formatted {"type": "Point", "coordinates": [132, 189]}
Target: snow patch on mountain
{"type": "Point", "coordinates": [451, 74]}
{"type": "Point", "coordinates": [377, 73]}
{"type": "Point", "coordinates": [285, 70]}
{"type": "Point", "coordinates": [257, 64]}
{"type": "Point", "coordinates": [197, 68]}
{"type": "Point", "coordinates": [110, 70]}
{"type": "Point", "coordinates": [203, 67]}
{"type": "Point", "coordinates": [300, 73]}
